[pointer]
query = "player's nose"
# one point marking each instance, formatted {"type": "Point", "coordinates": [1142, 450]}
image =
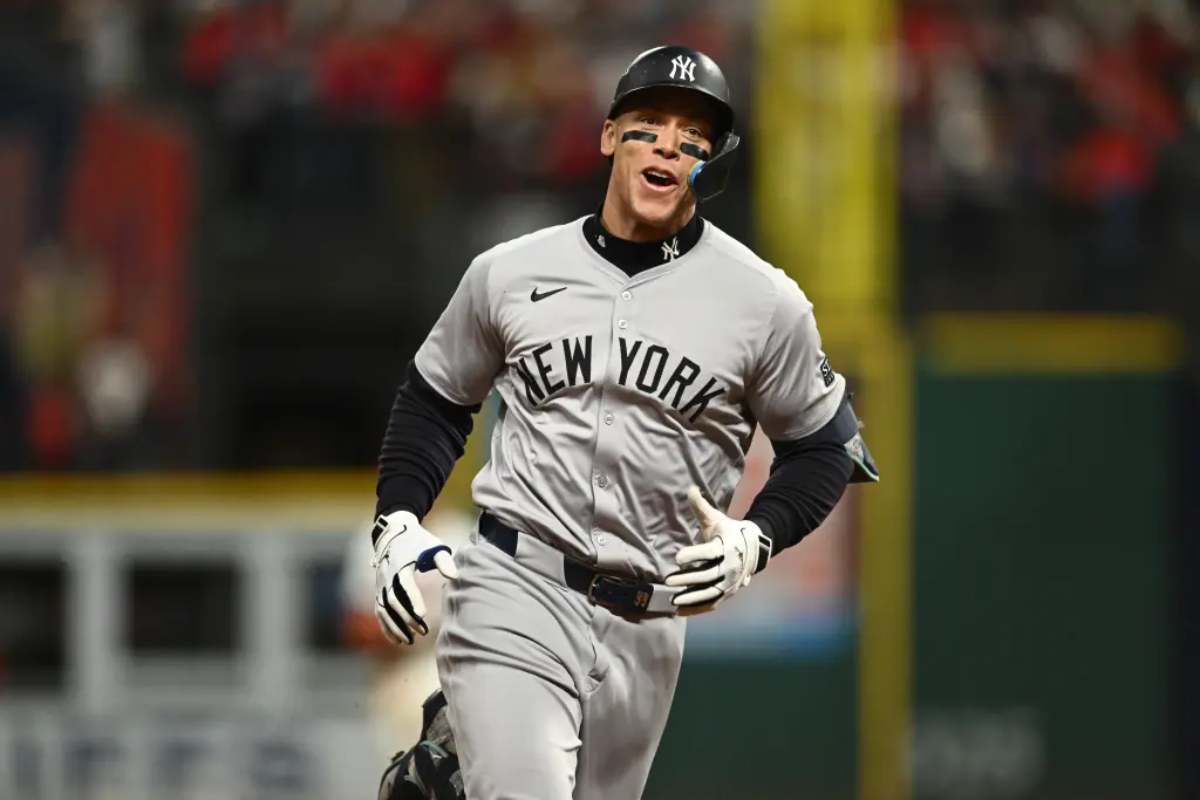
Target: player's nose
{"type": "Point", "coordinates": [667, 144]}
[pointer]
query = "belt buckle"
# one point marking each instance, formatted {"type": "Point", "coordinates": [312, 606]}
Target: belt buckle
{"type": "Point", "coordinates": [640, 598]}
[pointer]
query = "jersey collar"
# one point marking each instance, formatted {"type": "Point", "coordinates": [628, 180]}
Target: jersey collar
{"type": "Point", "coordinates": [634, 257]}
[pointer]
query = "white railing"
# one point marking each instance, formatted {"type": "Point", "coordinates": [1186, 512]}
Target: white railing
{"type": "Point", "coordinates": [274, 717]}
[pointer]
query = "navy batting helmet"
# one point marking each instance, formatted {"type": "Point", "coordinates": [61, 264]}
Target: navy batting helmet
{"type": "Point", "coordinates": [673, 66]}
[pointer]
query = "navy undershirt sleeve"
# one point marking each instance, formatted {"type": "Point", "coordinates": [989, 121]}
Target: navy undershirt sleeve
{"type": "Point", "coordinates": [426, 435]}
{"type": "Point", "coordinates": [807, 479]}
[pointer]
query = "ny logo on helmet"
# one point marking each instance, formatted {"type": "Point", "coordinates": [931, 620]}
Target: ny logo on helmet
{"type": "Point", "coordinates": [685, 66]}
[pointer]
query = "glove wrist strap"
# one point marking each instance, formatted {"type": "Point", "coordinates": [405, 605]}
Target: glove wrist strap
{"type": "Point", "coordinates": [763, 550]}
{"type": "Point", "coordinates": [386, 529]}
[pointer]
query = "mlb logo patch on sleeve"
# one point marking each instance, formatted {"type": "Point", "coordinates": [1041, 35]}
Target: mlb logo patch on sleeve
{"type": "Point", "coordinates": [826, 371]}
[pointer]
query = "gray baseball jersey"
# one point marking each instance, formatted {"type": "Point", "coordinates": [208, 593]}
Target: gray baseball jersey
{"type": "Point", "coordinates": [619, 392]}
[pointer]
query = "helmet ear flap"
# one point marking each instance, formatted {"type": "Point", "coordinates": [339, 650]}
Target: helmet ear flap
{"type": "Point", "coordinates": [709, 178]}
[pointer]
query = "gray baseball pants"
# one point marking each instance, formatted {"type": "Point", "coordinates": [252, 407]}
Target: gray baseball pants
{"type": "Point", "coordinates": [550, 697]}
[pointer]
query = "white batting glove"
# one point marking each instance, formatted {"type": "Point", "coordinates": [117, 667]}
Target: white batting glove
{"type": "Point", "coordinates": [403, 548]}
{"type": "Point", "coordinates": [732, 551]}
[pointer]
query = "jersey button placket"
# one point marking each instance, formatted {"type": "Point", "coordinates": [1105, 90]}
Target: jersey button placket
{"type": "Point", "coordinates": [606, 500]}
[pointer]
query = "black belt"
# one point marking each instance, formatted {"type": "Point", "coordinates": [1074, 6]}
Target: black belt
{"type": "Point", "coordinates": [621, 595]}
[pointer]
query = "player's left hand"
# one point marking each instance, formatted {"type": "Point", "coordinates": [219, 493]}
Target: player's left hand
{"type": "Point", "coordinates": [732, 551]}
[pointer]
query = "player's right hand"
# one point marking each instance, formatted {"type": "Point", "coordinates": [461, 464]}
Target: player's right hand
{"type": "Point", "coordinates": [403, 548]}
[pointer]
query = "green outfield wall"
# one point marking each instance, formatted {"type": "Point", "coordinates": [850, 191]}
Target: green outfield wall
{"type": "Point", "coordinates": [1044, 515]}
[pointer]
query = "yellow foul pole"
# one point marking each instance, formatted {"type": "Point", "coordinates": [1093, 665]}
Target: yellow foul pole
{"type": "Point", "coordinates": [824, 207]}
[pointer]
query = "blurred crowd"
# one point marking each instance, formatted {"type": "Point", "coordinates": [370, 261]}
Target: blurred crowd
{"type": "Point", "coordinates": [1050, 152]}
{"type": "Point", "coordinates": [214, 207]}
{"type": "Point", "coordinates": [527, 77]}
{"type": "Point", "coordinates": [150, 151]}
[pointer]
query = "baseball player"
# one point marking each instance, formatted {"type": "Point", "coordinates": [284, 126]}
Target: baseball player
{"type": "Point", "coordinates": [634, 351]}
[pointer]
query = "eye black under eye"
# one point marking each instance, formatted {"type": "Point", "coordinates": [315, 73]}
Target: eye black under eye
{"type": "Point", "coordinates": [641, 136]}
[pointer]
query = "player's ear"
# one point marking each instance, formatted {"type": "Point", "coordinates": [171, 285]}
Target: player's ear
{"type": "Point", "coordinates": [608, 138]}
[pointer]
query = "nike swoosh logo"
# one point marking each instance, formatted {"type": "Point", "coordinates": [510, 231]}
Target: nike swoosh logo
{"type": "Point", "coordinates": [387, 556]}
{"type": "Point", "coordinates": [535, 297]}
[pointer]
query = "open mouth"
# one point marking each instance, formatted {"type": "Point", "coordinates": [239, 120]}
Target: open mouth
{"type": "Point", "coordinates": [658, 178]}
